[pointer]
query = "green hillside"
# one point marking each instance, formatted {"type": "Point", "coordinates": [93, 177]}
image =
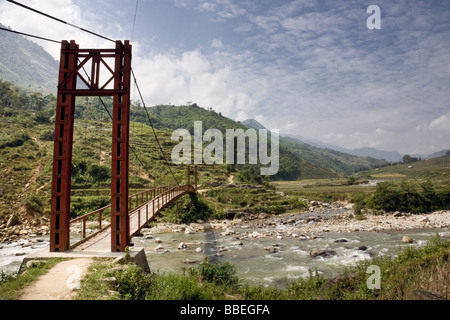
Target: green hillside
{"type": "Point", "coordinates": [340, 162]}
{"type": "Point", "coordinates": [435, 168]}
{"type": "Point", "coordinates": [292, 166]}
{"type": "Point", "coordinates": [26, 150]}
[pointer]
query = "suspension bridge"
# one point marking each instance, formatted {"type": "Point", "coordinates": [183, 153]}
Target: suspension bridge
{"type": "Point", "coordinates": [100, 72]}
{"type": "Point", "coordinates": [109, 75]}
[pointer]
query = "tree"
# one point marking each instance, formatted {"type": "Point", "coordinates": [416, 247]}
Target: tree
{"type": "Point", "coordinates": [408, 159]}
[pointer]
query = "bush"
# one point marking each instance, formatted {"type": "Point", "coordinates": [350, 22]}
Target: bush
{"type": "Point", "coordinates": [410, 197]}
{"type": "Point", "coordinates": [99, 172]}
{"type": "Point", "coordinates": [221, 273]}
{"type": "Point", "coordinates": [16, 140]}
{"type": "Point", "coordinates": [133, 283]}
{"type": "Point", "coordinates": [34, 202]}
{"type": "Point", "coordinates": [187, 209]}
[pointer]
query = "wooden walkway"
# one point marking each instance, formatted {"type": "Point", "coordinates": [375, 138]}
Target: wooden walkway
{"type": "Point", "coordinates": [144, 211]}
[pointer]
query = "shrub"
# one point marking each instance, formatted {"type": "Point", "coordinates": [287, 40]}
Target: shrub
{"type": "Point", "coordinates": [133, 283]}
{"type": "Point", "coordinates": [34, 202]}
{"type": "Point", "coordinates": [222, 273]}
{"type": "Point", "coordinates": [16, 140]}
{"type": "Point", "coordinates": [187, 209]}
{"type": "Point", "coordinates": [99, 172]}
{"type": "Point", "coordinates": [410, 197]}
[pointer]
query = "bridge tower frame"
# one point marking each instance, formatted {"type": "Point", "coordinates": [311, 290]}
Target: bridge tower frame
{"type": "Point", "coordinates": [73, 60]}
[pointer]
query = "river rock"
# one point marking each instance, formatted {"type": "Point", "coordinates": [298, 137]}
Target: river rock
{"type": "Point", "coordinates": [425, 220]}
{"type": "Point", "coordinates": [340, 240]}
{"type": "Point", "coordinates": [407, 239]}
{"type": "Point", "coordinates": [262, 215]}
{"type": "Point", "coordinates": [159, 247]}
{"type": "Point", "coordinates": [198, 250]}
{"type": "Point", "coordinates": [227, 232]}
{"type": "Point", "coordinates": [13, 220]}
{"type": "Point", "coordinates": [182, 245]}
{"type": "Point", "coordinates": [158, 240]}
{"type": "Point", "coordinates": [322, 253]}
{"type": "Point", "coordinates": [362, 248]}
{"type": "Point", "coordinates": [271, 249]}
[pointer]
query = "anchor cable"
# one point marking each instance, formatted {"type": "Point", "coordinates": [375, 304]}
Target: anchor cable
{"type": "Point", "coordinates": [59, 20]}
{"type": "Point", "coordinates": [29, 35]}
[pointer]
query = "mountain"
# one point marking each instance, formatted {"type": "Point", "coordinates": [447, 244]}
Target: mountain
{"type": "Point", "coordinates": [26, 64]}
{"type": "Point", "coordinates": [252, 123]}
{"type": "Point", "coordinates": [170, 118]}
{"type": "Point", "coordinates": [391, 156]}
{"type": "Point", "coordinates": [322, 155]}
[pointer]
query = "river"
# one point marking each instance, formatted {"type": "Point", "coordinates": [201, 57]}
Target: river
{"type": "Point", "coordinates": [288, 258]}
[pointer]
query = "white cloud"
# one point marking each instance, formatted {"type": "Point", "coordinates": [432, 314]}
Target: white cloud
{"type": "Point", "coordinates": [194, 77]}
{"type": "Point", "coordinates": [306, 67]}
{"type": "Point", "coordinates": [26, 21]}
{"type": "Point", "coordinates": [216, 44]}
{"type": "Point", "coordinates": [440, 124]}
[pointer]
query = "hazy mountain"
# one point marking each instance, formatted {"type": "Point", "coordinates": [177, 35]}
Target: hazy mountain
{"type": "Point", "coordinates": [324, 155]}
{"type": "Point", "coordinates": [252, 123]}
{"type": "Point", "coordinates": [435, 155]}
{"type": "Point", "coordinates": [26, 64]}
{"type": "Point", "coordinates": [391, 156]}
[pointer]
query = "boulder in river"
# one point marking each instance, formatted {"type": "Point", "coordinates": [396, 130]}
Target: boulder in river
{"type": "Point", "coordinates": [322, 253]}
{"type": "Point", "coordinates": [271, 249]}
{"type": "Point", "coordinates": [407, 239]}
{"type": "Point", "coordinates": [182, 245]}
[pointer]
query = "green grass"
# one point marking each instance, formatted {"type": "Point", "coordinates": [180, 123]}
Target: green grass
{"type": "Point", "coordinates": [403, 277]}
{"type": "Point", "coordinates": [324, 190]}
{"type": "Point", "coordinates": [435, 169]}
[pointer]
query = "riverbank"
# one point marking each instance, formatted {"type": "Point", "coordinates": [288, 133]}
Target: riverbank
{"type": "Point", "coordinates": [321, 218]}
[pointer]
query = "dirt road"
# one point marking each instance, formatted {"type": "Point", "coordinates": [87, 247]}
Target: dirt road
{"type": "Point", "coordinates": [60, 283]}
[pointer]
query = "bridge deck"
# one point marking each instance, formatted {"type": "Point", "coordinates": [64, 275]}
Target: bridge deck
{"type": "Point", "coordinates": [138, 218]}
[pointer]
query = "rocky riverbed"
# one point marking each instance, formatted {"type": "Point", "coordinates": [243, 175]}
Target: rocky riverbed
{"type": "Point", "coordinates": [321, 218]}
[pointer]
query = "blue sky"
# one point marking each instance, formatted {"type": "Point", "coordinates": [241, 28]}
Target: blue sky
{"type": "Point", "coordinates": [310, 68]}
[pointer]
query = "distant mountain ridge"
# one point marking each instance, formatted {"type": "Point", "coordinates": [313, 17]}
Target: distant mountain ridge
{"type": "Point", "coordinates": [339, 161]}
{"type": "Point", "coordinates": [26, 64]}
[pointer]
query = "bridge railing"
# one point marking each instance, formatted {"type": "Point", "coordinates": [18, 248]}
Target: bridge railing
{"type": "Point", "coordinates": [92, 223]}
{"type": "Point", "coordinates": [98, 220]}
{"type": "Point", "coordinates": [151, 208]}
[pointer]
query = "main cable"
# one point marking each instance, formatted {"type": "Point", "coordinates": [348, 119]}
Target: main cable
{"type": "Point", "coordinates": [29, 35]}
{"type": "Point", "coordinates": [134, 20]}
{"type": "Point", "coordinates": [59, 20]}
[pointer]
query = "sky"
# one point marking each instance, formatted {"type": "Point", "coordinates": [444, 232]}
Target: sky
{"type": "Point", "coordinates": [310, 68]}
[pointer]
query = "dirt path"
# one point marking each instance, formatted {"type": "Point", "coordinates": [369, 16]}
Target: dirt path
{"type": "Point", "coordinates": [60, 282]}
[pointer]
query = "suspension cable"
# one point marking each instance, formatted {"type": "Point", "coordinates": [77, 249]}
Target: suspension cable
{"type": "Point", "coordinates": [110, 116]}
{"type": "Point", "coordinates": [59, 20]}
{"type": "Point", "coordinates": [134, 20]}
{"type": "Point", "coordinates": [153, 129]}
{"type": "Point", "coordinates": [29, 35]}
{"type": "Point", "coordinates": [135, 81]}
